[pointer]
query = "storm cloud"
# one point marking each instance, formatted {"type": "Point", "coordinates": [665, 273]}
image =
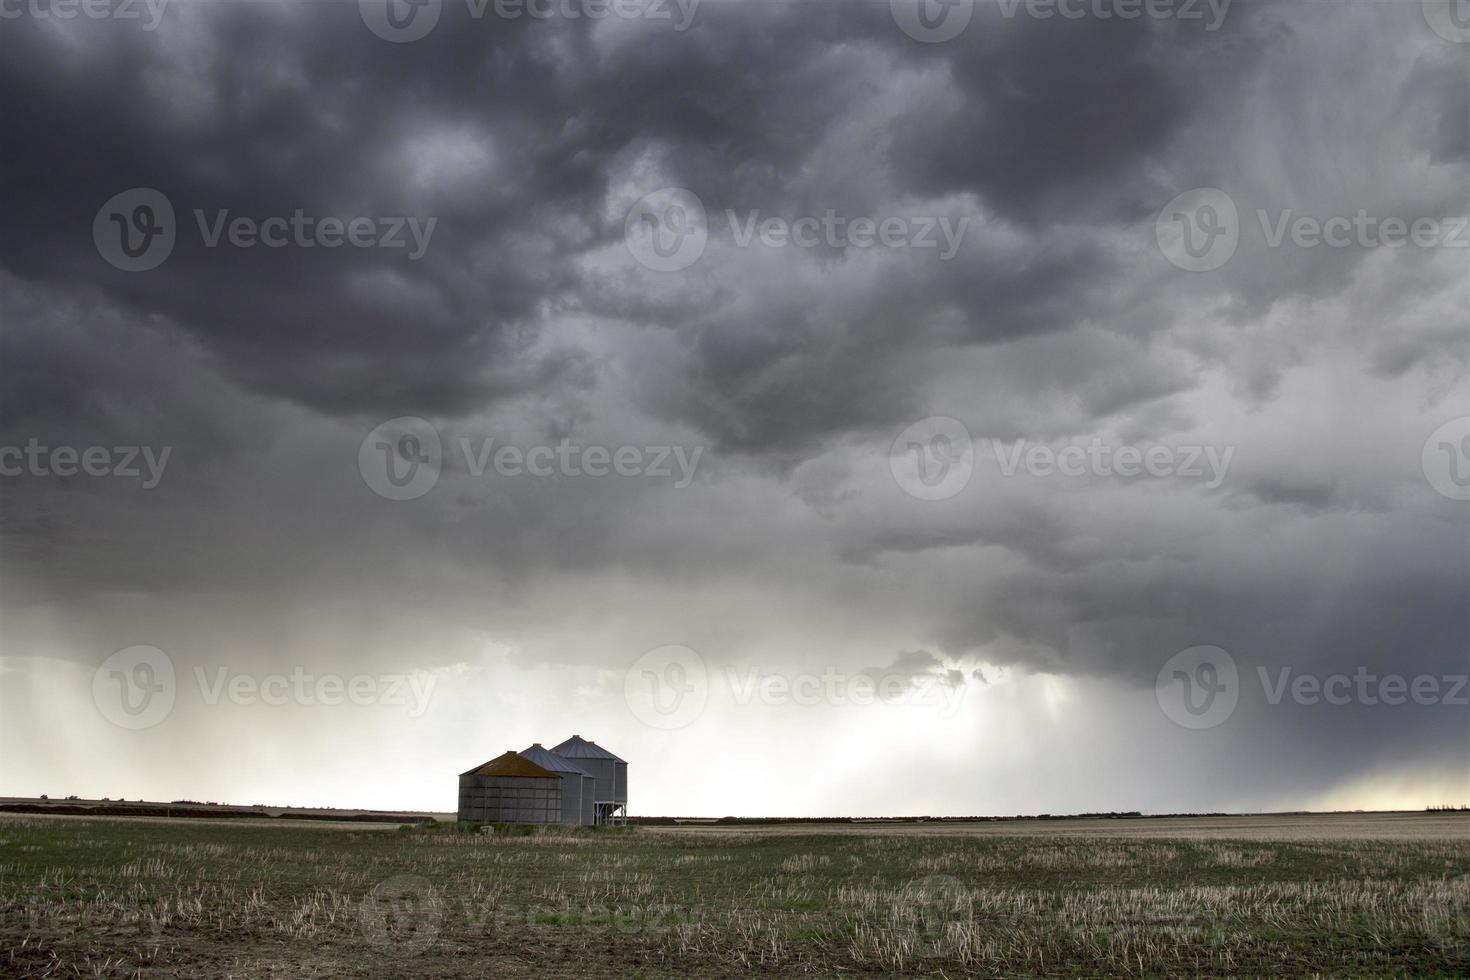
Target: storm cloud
{"type": "Point", "coordinates": [805, 367]}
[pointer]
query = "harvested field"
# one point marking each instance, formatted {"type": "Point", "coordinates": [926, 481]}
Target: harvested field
{"type": "Point", "coordinates": [1359, 895]}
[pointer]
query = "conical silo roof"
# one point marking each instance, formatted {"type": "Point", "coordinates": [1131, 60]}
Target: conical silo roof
{"type": "Point", "coordinates": [578, 747]}
{"type": "Point", "coordinates": [549, 760]}
{"type": "Point", "coordinates": [512, 764]}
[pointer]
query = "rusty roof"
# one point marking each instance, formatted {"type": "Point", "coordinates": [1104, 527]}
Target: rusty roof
{"type": "Point", "coordinates": [511, 764]}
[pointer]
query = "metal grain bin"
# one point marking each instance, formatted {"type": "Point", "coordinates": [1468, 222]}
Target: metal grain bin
{"type": "Point", "coordinates": [577, 787]}
{"type": "Point", "coordinates": [609, 771]}
{"type": "Point", "coordinates": [510, 789]}
{"type": "Point", "coordinates": [589, 800]}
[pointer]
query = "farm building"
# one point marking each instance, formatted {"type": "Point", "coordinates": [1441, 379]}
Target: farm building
{"type": "Point", "coordinates": [611, 773]}
{"type": "Point", "coordinates": [578, 782]}
{"type": "Point", "coordinates": [510, 789]}
{"type": "Point", "coordinates": [577, 786]}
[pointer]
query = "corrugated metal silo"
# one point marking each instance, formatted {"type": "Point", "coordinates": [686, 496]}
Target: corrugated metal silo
{"type": "Point", "coordinates": [510, 789]}
{"type": "Point", "coordinates": [589, 800]}
{"type": "Point", "coordinates": [577, 786]}
{"type": "Point", "coordinates": [610, 772]}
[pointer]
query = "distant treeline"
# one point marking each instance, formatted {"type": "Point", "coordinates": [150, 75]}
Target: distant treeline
{"type": "Point", "coordinates": [1120, 815]}
{"type": "Point", "coordinates": [359, 817]}
{"type": "Point", "coordinates": [200, 810]}
{"type": "Point", "coordinates": [736, 821]}
{"type": "Point", "coordinates": [131, 810]}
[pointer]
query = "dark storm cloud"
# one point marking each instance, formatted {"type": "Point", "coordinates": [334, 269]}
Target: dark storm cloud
{"type": "Point", "coordinates": [1057, 320]}
{"type": "Point", "coordinates": [261, 109]}
{"type": "Point", "coordinates": [1054, 120]}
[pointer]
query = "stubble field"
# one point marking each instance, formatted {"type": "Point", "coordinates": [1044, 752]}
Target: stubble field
{"type": "Point", "coordinates": [1221, 897]}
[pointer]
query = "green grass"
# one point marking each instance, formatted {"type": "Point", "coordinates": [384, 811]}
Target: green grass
{"type": "Point", "coordinates": [160, 898]}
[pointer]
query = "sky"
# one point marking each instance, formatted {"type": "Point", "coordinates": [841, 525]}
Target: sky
{"type": "Point", "coordinates": [832, 408]}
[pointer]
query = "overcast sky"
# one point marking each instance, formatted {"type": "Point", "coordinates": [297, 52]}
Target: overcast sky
{"type": "Point", "coordinates": [936, 429]}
